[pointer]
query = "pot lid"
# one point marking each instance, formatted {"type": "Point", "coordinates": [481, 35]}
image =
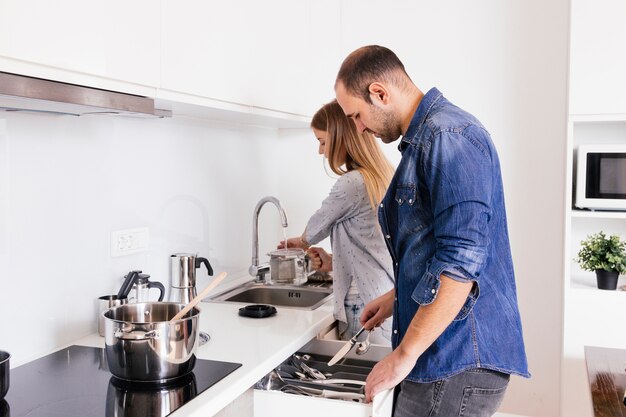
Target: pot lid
{"type": "Point", "coordinates": [287, 253]}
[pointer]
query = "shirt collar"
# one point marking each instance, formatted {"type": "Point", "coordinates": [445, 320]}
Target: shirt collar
{"type": "Point", "coordinates": [430, 98]}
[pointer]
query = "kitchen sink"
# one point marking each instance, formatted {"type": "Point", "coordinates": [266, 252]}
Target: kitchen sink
{"type": "Point", "coordinates": [286, 296]}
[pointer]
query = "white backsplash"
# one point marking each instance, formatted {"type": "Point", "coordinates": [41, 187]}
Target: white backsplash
{"type": "Point", "coordinates": [67, 182]}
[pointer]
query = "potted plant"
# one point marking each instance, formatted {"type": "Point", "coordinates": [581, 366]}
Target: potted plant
{"type": "Point", "coordinates": [606, 256]}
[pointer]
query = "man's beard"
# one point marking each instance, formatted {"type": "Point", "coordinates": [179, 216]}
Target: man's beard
{"type": "Point", "coordinates": [389, 129]}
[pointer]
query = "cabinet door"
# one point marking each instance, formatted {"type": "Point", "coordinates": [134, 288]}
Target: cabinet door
{"type": "Point", "coordinates": [114, 39]}
{"type": "Point", "coordinates": [276, 54]}
{"type": "Point", "coordinates": [326, 53]}
{"type": "Point", "coordinates": [206, 48]}
{"type": "Point", "coordinates": [297, 47]}
{"type": "Point", "coordinates": [597, 61]}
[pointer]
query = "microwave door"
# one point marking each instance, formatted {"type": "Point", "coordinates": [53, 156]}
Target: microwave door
{"type": "Point", "coordinates": [606, 176]}
{"type": "Point", "coordinates": [601, 177]}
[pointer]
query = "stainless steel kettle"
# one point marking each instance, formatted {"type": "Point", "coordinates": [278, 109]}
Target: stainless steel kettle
{"type": "Point", "coordinates": [141, 285]}
{"type": "Point", "coordinates": [183, 276]}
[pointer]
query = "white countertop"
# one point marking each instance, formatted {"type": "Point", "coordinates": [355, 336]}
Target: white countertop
{"type": "Point", "coordinates": [258, 344]}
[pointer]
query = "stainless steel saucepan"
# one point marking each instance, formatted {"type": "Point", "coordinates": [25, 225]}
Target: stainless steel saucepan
{"type": "Point", "coordinates": [142, 344]}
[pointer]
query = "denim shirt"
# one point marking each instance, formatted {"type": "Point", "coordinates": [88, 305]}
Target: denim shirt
{"type": "Point", "coordinates": [444, 214]}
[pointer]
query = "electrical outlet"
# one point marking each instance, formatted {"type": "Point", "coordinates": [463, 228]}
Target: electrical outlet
{"type": "Point", "coordinates": [129, 241]}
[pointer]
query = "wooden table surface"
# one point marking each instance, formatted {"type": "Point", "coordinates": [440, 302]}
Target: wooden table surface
{"type": "Point", "coordinates": [606, 369]}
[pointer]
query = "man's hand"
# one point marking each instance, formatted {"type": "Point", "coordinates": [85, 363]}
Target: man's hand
{"type": "Point", "coordinates": [425, 327]}
{"type": "Point", "coordinates": [378, 310]}
{"type": "Point", "coordinates": [320, 260]}
{"type": "Point", "coordinates": [388, 373]}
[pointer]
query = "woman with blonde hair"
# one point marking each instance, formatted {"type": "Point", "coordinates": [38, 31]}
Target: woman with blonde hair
{"type": "Point", "coordinates": [361, 264]}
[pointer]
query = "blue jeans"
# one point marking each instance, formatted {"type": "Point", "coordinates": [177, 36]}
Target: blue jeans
{"type": "Point", "coordinates": [354, 307]}
{"type": "Point", "coordinates": [473, 393]}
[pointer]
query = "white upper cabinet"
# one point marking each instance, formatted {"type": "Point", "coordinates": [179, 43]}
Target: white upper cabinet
{"type": "Point", "coordinates": [296, 49]}
{"type": "Point", "coordinates": [597, 60]}
{"type": "Point", "coordinates": [112, 39]}
{"type": "Point", "coordinates": [206, 49]}
{"type": "Point", "coordinates": [276, 57]}
{"type": "Point", "coordinates": [275, 54]}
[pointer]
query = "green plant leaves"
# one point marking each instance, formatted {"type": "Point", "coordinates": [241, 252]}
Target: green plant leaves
{"type": "Point", "coordinates": [601, 252]}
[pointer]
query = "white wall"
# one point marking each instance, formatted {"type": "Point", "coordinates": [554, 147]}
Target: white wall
{"type": "Point", "coordinates": [67, 182]}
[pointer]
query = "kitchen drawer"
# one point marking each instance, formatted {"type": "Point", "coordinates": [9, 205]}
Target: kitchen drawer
{"type": "Point", "coordinates": [279, 404]}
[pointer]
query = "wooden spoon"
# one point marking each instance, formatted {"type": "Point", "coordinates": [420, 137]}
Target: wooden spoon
{"type": "Point", "coordinates": [199, 297]}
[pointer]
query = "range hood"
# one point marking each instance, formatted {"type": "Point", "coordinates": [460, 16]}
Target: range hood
{"type": "Point", "coordinates": [21, 93]}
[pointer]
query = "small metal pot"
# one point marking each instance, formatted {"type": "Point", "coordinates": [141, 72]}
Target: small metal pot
{"type": "Point", "coordinates": [289, 266]}
{"type": "Point", "coordinates": [142, 345]}
{"type": "Point", "coordinates": [5, 370]}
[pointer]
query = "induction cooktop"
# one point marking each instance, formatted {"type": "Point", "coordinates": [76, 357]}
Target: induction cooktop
{"type": "Point", "coordinates": [76, 382]}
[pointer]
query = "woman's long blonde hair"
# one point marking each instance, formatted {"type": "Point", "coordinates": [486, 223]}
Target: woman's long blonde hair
{"type": "Point", "coordinates": [350, 150]}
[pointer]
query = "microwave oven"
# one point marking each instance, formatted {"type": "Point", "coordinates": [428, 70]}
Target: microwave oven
{"type": "Point", "coordinates": [601, 177]}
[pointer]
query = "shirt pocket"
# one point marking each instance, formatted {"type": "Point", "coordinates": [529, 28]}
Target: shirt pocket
{"type": "Point", "coordinates": [410, 212]}
{"type": "Point", "coordinates": [405, 195]}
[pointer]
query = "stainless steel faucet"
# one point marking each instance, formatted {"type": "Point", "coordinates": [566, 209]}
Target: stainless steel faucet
{"type": "Point", "coordinates": [255, 270]}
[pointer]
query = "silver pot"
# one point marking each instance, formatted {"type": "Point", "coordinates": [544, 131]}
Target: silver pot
{"type": "Point", "coordinates": [132, 399]}
{"type": "Point", "coordinates": [142, 345]}
{"type": "Point", "coordinates": [289, 266]}
{"type": "Point", "coordinates": [4, 373]}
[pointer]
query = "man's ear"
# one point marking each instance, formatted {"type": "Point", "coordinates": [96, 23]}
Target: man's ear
{"type": "Point", "coordinates": [379, 92]}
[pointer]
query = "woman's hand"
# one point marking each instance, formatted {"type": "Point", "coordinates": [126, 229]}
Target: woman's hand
{"type": "Point", "coordinates": [293, 242]}
{"type": "Point", "coordinates": [320, 260]}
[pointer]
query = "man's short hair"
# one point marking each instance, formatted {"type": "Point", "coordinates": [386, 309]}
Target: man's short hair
{"type": "Point", "coordinates": [369, 64]}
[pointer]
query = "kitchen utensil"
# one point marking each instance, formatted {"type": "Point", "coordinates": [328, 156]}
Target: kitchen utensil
{"type": "Point", "coordinates": [363, 347]}
{"type": "Point", "coordinates": [289, 266]}
{"type": "Point", "coordinates": [291, 370]}
{"type": "Point", "coordinates": [5, 371]}
{"type": "Point", "coordinates": [346, 348]}
{"type": "Point", "coordinates": [141, 283]}
{"type": "Point", "coordinates": [199, 297]}
{"type": "Point", "coordinates": [329, 381]}
{"type": "Point", "coordinates": [312, 371]}
{"type": "Point", "coordinates": [257, 311]}
{"type": "Point", "coordinates": [274, 382]}
{"type": "Point", "coordinates": [143, 344]}
{"type": "Point", "coordinates": [105, 303]}
{"type": "Point", "coordinates": [349, 375]}
{"type": "Point", "coordinates": [183, 276]}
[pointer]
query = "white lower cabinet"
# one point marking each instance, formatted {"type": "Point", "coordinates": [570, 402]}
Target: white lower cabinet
{"type": "Point", "coordinates": [279, 404]}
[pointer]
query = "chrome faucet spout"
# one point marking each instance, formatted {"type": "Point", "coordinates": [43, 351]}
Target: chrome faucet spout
{"type": "Point", "coordinates": [254, 267]}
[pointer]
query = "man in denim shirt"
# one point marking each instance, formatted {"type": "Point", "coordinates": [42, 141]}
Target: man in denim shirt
{"type": "Point", "coordinates": [457, 333]}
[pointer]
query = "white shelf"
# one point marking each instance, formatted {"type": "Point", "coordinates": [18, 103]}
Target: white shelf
{"type": "Point", "coordinates": [584, 214]}
{"type": "Point", "coordinates": [591, 118]}
{"type": "Point", "coordinates": [588, 282]}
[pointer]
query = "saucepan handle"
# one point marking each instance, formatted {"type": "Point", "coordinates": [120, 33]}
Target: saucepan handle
{"type": "Point", "coordinates": [136, 335]}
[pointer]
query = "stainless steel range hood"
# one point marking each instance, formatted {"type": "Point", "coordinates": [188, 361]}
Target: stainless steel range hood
{"type": "Point", "coordinates": [21, 93]}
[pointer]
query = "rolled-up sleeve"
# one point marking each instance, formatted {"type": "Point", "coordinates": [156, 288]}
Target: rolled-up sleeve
{"type": "Point", "coordinates": [458, 172]}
